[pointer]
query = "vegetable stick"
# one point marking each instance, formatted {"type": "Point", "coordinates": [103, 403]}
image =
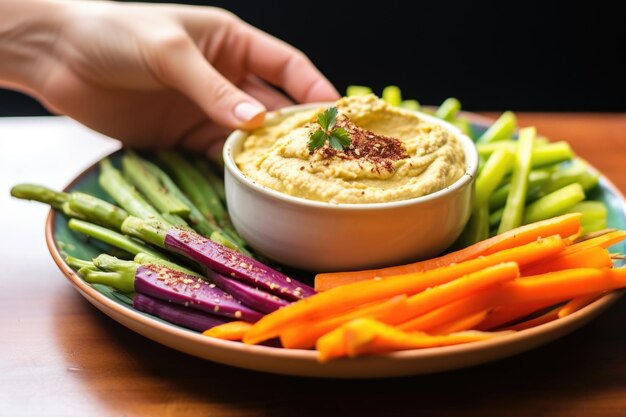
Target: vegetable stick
{"type": "Point", "coordinates": [367, 336]}
{"type": "Point", "coordinates": [233, 330]}
{"type": "Point", "coordinates": [440, 295]}
{"type": "Point", "coordinates": [593, 257]}
{"type": "Point", "coordinates": [497, 166]}
{"type": "Point", "coordinates": [392, 95]}
{"type": "Point", "coordinates": [501, 129]}
{"type": "Point", "coordinates": [462, 324]}
{"type": "Point", "coordinates": [306, 334]}
{"type": "Point", "coordinates": [344, 298]}
{"type": "Point", "coordinates": [450, 312]}
{"type": "Point", "coordinates": [477, 228]}
{"type": "Point", "coordinates": [448, 109]}
{"type": "Point", "coordinates": [514, 208]}
{"type": "Point", "coordinates": [564, 226]}
{"type": "Point", "coordinates": [524, 296]}
{"type": "Point", "coordinates": [324, 305]}
{"type": "Point", "coordinates": [507, 314]}
{"type": "Point", "coordinates": [537, 321]}
{"type": "Point", "coordinates": [578, 303]}
{"type": "Point", "coordinates": [553, 204]}
{"type": "Point", "coordinates": [604, 241]}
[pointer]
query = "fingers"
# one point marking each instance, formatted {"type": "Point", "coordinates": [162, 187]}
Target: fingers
{"type": "Point", "coordinates": [181, 65]}
{"type": "Point", "coordinates": [267, 95]}
{"type": "Point", "coordinates": [286, 67]}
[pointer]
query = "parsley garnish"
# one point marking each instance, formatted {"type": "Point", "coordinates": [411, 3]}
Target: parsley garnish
{"type": "Point", "coordinates": [337, 137]}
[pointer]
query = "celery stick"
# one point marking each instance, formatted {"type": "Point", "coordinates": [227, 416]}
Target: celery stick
{"type": "Point", "coordinates": [590, 226]}
{"type": "Point", "coordinates": [477, 228]}
{"type": "Point", "coordinates": [537, 179]}
{"type": "Point", "coordinates": [552, 153]}
{"type": "Point", "coordinates": [410, 105]}
{"type": "Point", "coordinates": [448, 109]}
{"type": "Point", "coordinates": [591, 209]}
{"type": "Point", "coordinates": [495, 218]}
{"type": "Point", "coordinates": [464, 126]}
{"type": "Point", "coordinates": [578, 172]}
{"type": "Point", "coordinates": [594, 215]}
{"type": "Point", "coordinates": [514, 209]}
{"type": "Point", "coordinates": [554, 204]}
{"type": "Point", "coordinates": [392, 95]}
{"type": "Point", "coordinates": [497, 166]}
{"type": "Point", "coordinates": [503, 128]}
{"type": "Point", "coordinates": [358, 90]}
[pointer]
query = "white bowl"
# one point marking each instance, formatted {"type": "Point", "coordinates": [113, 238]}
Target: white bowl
{"type": "Point", "coordinates": [320, 236]}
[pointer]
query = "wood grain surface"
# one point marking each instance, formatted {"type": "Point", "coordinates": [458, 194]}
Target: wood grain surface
{"type": "Point", "coordinates": [59, 356]}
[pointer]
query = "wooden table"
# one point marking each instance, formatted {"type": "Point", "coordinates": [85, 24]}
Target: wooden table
{"type": "Point", "coordinates": [59, 356]}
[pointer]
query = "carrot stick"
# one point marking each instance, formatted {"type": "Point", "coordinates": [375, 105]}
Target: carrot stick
{"type": "Point", "coordinates": [578, 303]}
{"type": "Point", "coordinates": [233, 330]}
{"type": "Point", "coordinates": [606, 240]}
{"type": "Point", "coordinates": [459, 288]}
{"type": "Point", "coordinates": [564, 226]}
{"type": "Point", "coordinates": [511, 313]}
{"type": "Point", "coordinates": [329, 303]}
{"type": "Point", "coordinates": [367, 336]}
{"type": "Point", "coordinates": [305, 335]}
{"type": "Point", "coordinates": [453, 311]}
{"type": "Point", "coordinates": [462, 324]}
{"type": "Point", "coordinates": [522, 297]}
{"type": "Point", "coordinates": [591, 257]}
{"type": "Point", "coordinates": [544, 318]}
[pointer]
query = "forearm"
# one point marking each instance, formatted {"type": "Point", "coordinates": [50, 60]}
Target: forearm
{"type": "Point", "coordinates": [28, 32]}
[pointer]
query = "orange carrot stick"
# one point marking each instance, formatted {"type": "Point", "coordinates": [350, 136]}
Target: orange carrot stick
{"type": "Point", "coordinates": [305, 335]}
{"type": "Point", "coordinates": [367, 336]}
{"type": "Point", "coordinates": [440, 295]}
{"type": "Point", "coordinates": [453, 311]}
{"type": "Point", "coordinates": [464, 323]}
{"type": "Point", "coordinates": [530, 294]}
{"type": "Point", "coordinates": [564, 226]}
{"type": "Point", "coordinates": [578, 303]}
{"type": "Point", "coordinates": [537, 321]}
{"type": "Point", "coordinates": [329, 303]}
{"type": "Point", "coordinates": [603, 241]}
{"type": "Point", "coordinates": [511, 313]}
{"type": "Point", "coordinates": [591, 257]}
{"type": "Point", "coordinates": [233, 330]}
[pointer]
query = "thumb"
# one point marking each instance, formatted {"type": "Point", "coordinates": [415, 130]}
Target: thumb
{"type": "Point", "coordinates": [183, 67]}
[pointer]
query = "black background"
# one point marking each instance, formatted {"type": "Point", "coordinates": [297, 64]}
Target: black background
{"type": "Point", "coordinates": [543, 56]}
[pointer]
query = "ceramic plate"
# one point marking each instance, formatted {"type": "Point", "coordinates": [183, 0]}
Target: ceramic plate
{"type": "Point", "coordinates": [61, 241]}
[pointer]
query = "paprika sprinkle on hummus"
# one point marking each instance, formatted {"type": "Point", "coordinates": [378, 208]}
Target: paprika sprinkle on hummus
{"type": "Point", "coordinates": [393, 155]}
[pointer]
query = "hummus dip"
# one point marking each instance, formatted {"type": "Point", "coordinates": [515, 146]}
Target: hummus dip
{"type": "Point", "coordinates": [394, 155]}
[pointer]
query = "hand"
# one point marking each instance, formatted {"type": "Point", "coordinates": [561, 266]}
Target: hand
{"type": "Point", "coordinates": [166, 75]}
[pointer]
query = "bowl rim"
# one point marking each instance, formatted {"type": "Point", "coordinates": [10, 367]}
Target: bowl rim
{"type": "Point", "coordinates": [236, 137]}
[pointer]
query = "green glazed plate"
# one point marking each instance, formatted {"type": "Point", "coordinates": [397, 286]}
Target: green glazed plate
{"type": "Point", "coordinates": [62, 241]}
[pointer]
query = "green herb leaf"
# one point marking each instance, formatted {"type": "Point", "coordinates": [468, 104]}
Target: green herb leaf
{"type": "Point", "coordinates": [340, 135]}
{"type": "Point", "coordinates": [338, 138]}
{"type": "Point", "coordinates": [317, 140]}
{"type": "Point", "coordinates": [327, 118]}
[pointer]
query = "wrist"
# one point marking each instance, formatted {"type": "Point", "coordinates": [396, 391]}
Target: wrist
{"type": "Point", "coordinates": [28, 33]}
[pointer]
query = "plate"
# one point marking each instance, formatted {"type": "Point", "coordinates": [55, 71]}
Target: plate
{"type": "Point", "coordinates": [62, 241]}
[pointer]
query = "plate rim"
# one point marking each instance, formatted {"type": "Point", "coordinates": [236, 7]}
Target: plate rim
{"type": "Point", "coordinates": [565, 324]}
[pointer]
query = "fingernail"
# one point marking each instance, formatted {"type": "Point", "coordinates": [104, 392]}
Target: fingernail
{"type": "Point", "coordinates": [249, 114]}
